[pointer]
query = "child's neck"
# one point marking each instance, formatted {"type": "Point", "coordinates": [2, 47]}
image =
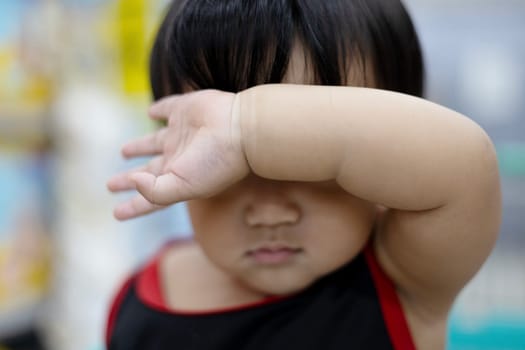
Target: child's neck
{"type": "Point", "coordinates": [190, 282]}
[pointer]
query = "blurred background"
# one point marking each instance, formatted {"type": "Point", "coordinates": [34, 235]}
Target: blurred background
{"type": "Point", "coordinates": [73, 88]}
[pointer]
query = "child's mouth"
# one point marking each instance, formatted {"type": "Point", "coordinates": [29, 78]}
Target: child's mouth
{"type": "Point", "coordinates": [273, 255]}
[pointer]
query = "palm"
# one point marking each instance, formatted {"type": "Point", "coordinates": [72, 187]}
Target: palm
{"type": "Point", "coordinates": [202, 160]}
{"type": "Point", "coordinates": [197, 154]}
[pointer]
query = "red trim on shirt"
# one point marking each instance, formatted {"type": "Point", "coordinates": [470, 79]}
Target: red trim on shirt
{"type": "Point", "coordinates": [115, 307]}
{"type": "Point", "coordinates": [149, 291]}
{"type": "Point", "coordinates": [393, 314]}
{"type": "Point", "coordinates": [149, 286]}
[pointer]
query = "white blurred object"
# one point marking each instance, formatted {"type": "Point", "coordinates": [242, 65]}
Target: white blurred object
{"type": "Point", "coordinates": [91, 254]}
{"type": "Point", "coordinates": [490, 83]}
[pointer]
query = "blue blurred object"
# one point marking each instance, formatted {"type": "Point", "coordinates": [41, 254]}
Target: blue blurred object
{"type": "Point", "coordinates": [497, 332]}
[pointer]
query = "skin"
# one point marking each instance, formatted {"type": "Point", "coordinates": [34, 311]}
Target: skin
{"type": "Point", "coordinates": [328, 225]}
{"type": "Point", "coordinates": [433, 170]}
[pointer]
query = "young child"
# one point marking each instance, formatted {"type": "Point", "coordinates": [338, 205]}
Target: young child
{"type": "Point", "coordinates": [332, 207]}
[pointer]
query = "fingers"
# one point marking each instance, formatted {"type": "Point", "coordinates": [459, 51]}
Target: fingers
{"type": "Point", "coordinates": [156, 192]}
{"type": "Point", "coordinates": [122, 181]}
{"type": "Point", "coordinates": [134, 207]}
{"type": "Point", "coordinates": [162, 190]}
{"type": "Point", "coordinates": [138, 205]}
{"type": "Point", "coordinates": [148, 145]}
{"type": "Point", "coordinates": [162, 109]}
{"type": "Point", "coordinates": [172, 105]}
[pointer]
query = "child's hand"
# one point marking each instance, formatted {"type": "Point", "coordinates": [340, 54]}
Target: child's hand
{"type": "Point", "coordinates": [197, 155]}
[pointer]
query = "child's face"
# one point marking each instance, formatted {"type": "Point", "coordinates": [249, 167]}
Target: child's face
{"type": "Point", "coordinates": [279, 237]}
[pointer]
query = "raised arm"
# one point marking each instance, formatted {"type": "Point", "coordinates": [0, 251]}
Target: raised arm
{"type": "Point", "coordinates": [435, 169]}
{"type": "Point", "coordinates": [389, 148]}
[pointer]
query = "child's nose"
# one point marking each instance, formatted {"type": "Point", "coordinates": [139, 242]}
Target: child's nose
{"type": "Point", "coordinates": [271, 212]}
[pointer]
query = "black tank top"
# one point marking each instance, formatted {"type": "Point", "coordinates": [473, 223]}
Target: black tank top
{"type": "Point", "coordinates": [355, 307]}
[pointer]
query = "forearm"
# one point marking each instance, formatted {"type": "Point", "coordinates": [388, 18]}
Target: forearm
{"type": "Point", "coordinates": [397, 150]}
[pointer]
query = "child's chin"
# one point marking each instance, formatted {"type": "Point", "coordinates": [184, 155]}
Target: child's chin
{"type": "Point", "coordinates": [279, 288]}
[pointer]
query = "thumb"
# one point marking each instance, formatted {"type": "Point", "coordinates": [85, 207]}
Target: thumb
{"type": "Point", "coordinates": [159, 190]}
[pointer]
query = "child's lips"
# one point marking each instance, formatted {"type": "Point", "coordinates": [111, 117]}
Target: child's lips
{"type": "Point", "coordinates": [273, 255]}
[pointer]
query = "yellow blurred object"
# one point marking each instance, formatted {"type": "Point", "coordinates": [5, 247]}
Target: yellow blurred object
{"type": "Point", "coordinates": [132, 41]}
{"type": "Point", "coordinates": [21, 86]}
{"type": "Point", "coordinates": [5, 58]}
{"type": "Point", "coordinates": [25, 267]}
{"type": "Point", "coordinates": [24, 98]}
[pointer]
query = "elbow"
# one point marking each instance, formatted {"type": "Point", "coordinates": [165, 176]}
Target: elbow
{"type": "Point", "coordinates": [477, 168]}
{"type": "Point", "coordinates": [480, 152]}
{"type": "Point", "coordinates": [487, 156]}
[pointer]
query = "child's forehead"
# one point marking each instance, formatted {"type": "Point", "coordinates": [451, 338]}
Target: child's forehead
{"type": "Point", "coordinates": [297, 71]}
{"type": "Point", "coordinates": [300, 70]}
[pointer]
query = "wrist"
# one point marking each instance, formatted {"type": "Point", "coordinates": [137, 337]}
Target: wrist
{"type": "Point", "coordinates": [238, 127]}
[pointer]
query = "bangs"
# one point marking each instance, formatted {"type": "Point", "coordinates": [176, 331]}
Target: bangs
{"type": "Point", "coordinates": [232, 45]}
{"type": "Point", "coordinates": [225, 45]}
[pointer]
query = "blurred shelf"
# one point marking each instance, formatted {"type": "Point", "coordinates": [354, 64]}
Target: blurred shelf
{"type": "Point", "coordinates": [23, 129]}
{"type": "Point", "coordinates": [19, 320]}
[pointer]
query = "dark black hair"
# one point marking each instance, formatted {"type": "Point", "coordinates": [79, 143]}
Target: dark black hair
{"type": "Point", "coordinates": [232, 45]}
